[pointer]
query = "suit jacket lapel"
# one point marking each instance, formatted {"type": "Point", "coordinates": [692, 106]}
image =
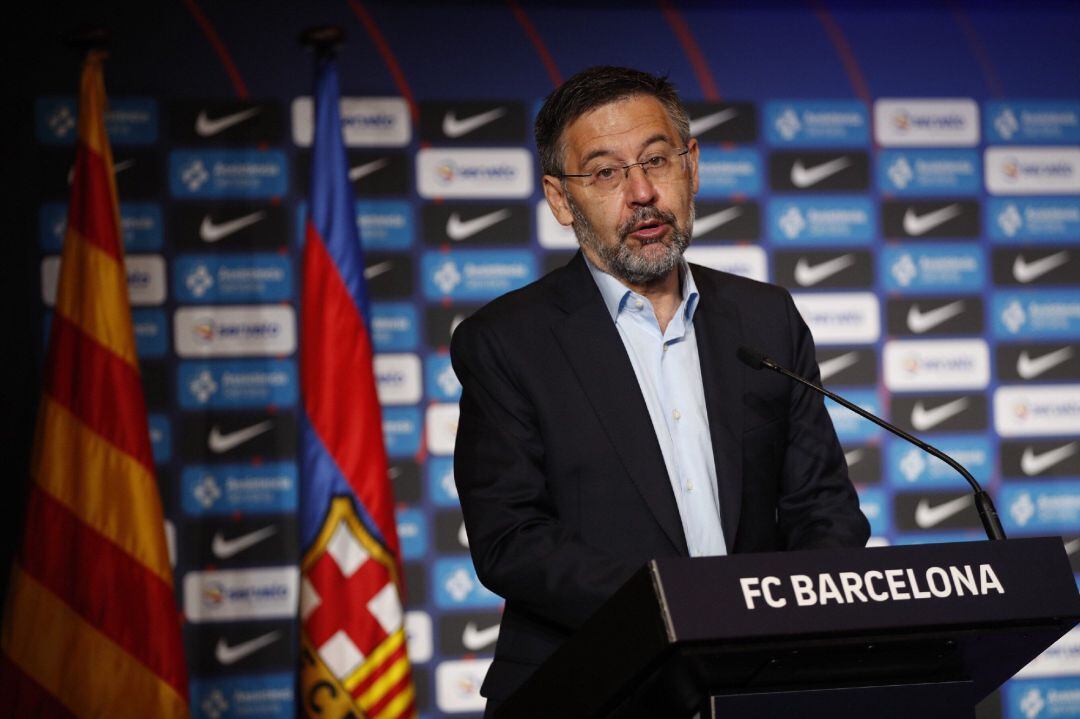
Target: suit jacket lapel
{"type": "Point", "coordinates": [592, 344]}
{"type": "Point", "coordinates": [716, 325]}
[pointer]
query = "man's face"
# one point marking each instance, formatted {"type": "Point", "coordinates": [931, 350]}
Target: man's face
{"type": "Point", "coordinates": [639, 231]}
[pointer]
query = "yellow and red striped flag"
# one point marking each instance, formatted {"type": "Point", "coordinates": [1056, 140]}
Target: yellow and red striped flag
{"type": "Point", "coordinates": [90, 625]}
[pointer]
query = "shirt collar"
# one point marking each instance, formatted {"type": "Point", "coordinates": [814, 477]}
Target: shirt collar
{"type": "Point", "coordinates": [615, 293]}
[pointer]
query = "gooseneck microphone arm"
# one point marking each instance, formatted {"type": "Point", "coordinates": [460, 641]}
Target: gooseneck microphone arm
{"type": "Point", "coordinates": [756, 359]}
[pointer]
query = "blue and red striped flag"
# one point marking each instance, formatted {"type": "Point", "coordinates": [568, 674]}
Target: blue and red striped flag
{"type": "Point", "coordinates": [91, 627]}
{"type": "Point", "coordinates": [353, 658]}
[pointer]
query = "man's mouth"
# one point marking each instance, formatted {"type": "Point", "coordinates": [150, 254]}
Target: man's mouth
{"type": "Point", "coordinates": [653, 227]}
{"type": "Point", "coordinates": [650, 231]}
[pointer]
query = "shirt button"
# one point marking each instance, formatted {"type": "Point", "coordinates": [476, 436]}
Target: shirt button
{"type": "Point", "coordinates": [639, 304]}
{"type": "Point", "coordinates": [689, 486]}
{"type": "Point", "coordinates": [676, 414]}
{"type": "Point", "coordinates": [665, 348]}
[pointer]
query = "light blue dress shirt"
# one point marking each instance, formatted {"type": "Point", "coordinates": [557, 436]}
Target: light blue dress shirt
{"type": "Point", "coordinates": [669, 375]}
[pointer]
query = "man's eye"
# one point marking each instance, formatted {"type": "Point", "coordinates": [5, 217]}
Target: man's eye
{"type": "Point", "coordinates": [656, 161]}
{"type": "Point", "coordinates": [605, 173]}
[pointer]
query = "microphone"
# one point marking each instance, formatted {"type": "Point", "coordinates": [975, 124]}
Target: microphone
{"type": "Point", "coordinates": [756, 359]}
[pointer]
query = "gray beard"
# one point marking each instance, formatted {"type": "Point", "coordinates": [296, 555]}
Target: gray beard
{"type": "Point", "coordinates": [619, 260]}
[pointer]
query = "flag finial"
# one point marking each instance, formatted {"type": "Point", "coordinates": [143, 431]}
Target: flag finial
{"type": "Point", "coordinates": [324, 39]}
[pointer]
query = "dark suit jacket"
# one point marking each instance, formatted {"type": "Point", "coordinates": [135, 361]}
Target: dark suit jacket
{"type": "Point", "coordinates": [562, 482]}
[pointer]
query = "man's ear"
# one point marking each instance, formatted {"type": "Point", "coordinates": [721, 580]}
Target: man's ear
{"type": "Point", "coordinates": [555, 194]}
{"type": "Point", "coordinates": [693, 156]}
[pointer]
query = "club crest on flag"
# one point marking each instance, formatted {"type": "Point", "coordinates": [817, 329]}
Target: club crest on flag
{"type": "Point", "coordinates": [352, 657]}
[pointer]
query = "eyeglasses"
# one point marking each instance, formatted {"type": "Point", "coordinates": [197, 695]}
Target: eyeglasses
{"type": "Point", "coordinates": [661, 167]}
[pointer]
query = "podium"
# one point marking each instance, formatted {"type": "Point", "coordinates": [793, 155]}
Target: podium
{"type": "Point", "coordinates": [890, 632]}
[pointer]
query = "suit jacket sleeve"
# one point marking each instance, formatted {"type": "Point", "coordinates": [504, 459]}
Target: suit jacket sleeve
{"type": "Point", "coordinates": [519, 547]}
{"type": "Point", "coordinates": [818, 506]}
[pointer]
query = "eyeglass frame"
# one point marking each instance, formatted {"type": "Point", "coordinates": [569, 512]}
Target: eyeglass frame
{"type": "Point", "coordinates": [625, 168]}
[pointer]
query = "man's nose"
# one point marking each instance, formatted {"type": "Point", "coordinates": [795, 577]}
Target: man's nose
{"type": "Point", "coordinates": [638, 186]}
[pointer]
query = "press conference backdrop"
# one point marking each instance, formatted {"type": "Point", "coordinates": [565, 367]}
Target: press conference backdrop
{"type": "Point", "coordinates": [911, 175]}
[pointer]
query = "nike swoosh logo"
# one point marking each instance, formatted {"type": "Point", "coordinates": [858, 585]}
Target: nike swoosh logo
{"type": "Point", "coordinates": [1071, 547]}
{"type": "Point", "coordinates": [705, 123]}
{"type": "Point", "coordinates": [923, 419]}
{"type": "Point", "coordinates": [808, 275]}
{"type": "Point", "coordinates": [927, 516]}
{"type": "Point", "coordinates": [207, 127]}
{"type": "Point", "coordinates": [1033, 464]}
{"type": "Point", "coordinates": [476, 639]}
{"type": "Point", "coordinates": [1031, 367]}
{"type": "Point", "coordinates": [831, 367]}
{"type": "Point", "coordinates": [231, 655]}
{"type": "Point", "coordinates": [708, 223]}
{"type": "Point", "coordinates": [226, 548]}
{"type": "Point", "coordinates": [915, 224]}
{"type": "Point", "coordinates": [806, 176]}
{"type": "Point", "coordinates": [919, 321]}
{"type": "Point", "coordinates": [458, 229]}
{"type": "Point", "coordinates": [379, 268]}
{"type": "Point", "coordinates": [220, 442]}
{"type": "Point", "coordinates": [853, 457]}
{"type": "Point", "coordinates": [209, 231]}
{"type": "Point", "coordinates": [453, 127]}
{"type": "Point", "coordinates": [1028, 271]}
{"type": "Point", "coordinates": [362, 171]}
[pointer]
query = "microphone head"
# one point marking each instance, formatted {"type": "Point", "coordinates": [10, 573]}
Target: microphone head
{"type": "Point", "coordinates": [751, 357]}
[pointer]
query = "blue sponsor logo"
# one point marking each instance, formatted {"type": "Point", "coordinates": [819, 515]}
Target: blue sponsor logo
{"type": "Point", "coordinates": [140, 224]}
{"type": "Point", "coordinates": [817, 220]}
{"type": "Point", "coordinates": [850, 427]}
{"type": "Point", "coordinates": [263, 277]}
{"type": "Point", "coordinates": [1057, 697]}
{"type": "Point", "coordinates": [1036, 313]}
{"type": "Point", "coordinates": [476, 274]}
{"type": "Point", "coordinates": [228, 384]}
{"type": "Point", "coordinates": [937, 267]}
{"type": "Point", "coordinates": [258, 696]}
{"type": "Point", "coordinates": [401, 430]}
{"type": "Point", "coordinates": [266, 488]}
{"type": "Point", "coordinates": [394, 326]}
{"type": "Point", "coordinates": [1015, 219]}
{"type": "Point", "coordinates": [151, 332]}
{"type": "Point", "coordinates": [723, 173]}
{"type": "Point", "coordinates": [1032, 121]}
{"type": "Point", "coordinates": [383, 224]}
{"type": "Point", "coordinates": [160, 437]}
{"type": "Point", "coordinates": [817, 123]}
{"type": "Point", "coordinates": [908, 466]}
{"type": "Point", "coordinates": [128, 120]}
{"type": "Point", "coordinates": [440, 382]}
{"type": "Point", "coordinates": [412, 531]}
{"type": "Point", "coordinates": [1040, 506]}
{"type": "Point", "coordinates": [875, 504]}
{"type": "Point", "coordinates": [440, 480]}
{"type": "Point", "coordinates": [929, 172]}
{"type": "Point", "coordinates": [228, 173]}
{"type": "Point", "coordinates": [456, 586]}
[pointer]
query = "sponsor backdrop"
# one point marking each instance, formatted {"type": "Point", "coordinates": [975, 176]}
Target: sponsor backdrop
{"type": "Point", "coordinates": [913, 177]}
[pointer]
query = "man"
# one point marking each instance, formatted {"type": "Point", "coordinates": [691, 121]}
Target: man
{"type": "Point", "coordinates": [605, 419]}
